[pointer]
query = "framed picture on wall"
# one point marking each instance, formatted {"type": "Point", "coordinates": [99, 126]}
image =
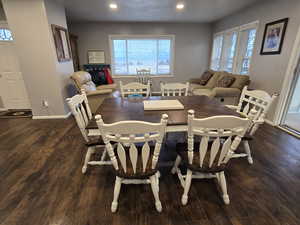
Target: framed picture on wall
{"type": "Point", "coordinates": [274, 37]}
{"type": "Point", "coordinates": [62, 43]}
{"type": "Point", "coordinates": [96, 57]}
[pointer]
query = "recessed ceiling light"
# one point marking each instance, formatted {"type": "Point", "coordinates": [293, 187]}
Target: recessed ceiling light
{"type": "Point", "coordinates": [113, 6]}
{"type": "Point", "coordinates": [180, 6]}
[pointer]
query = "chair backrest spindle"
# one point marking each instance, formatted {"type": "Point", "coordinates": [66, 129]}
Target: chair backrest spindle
{"type": "Point", "coordinates": [174, 89]}
{"type": "Point", "coordinates": [143, 76]}
{"type": "Point", "coordinates": [133, 143]}
{"type": "Point", "coordinates": [255, 105]}
{"type": "Point", "coordinates": [220, 137]}
{"type": "Point", "coordinates": [135, 88]}
{"type": "Point", "coordinates": [81, 111]}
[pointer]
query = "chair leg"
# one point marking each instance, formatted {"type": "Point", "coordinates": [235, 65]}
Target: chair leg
{"type": "Point", "coordinates": [114, 204]}
{"type": "Point", "coordinates": [154, 186]}
{"type": "Point", "coordinates": [157, 175]}
{"type": "Point", "coordinates": [224, 187]}
{"type": "Point", "coordinates": [176, 164]}
{"type": "Point", "coordinates": [104, 154]}
{"type": "Point", "coordinates": [248, 151]}
{"type": "Point", "coordinates": [188, 179]}
{"type": "Point", "coordinates": [90, 151]}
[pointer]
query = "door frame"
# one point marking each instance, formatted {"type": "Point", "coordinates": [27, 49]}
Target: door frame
{"type": "Point", "coordinates": [4, 24]}
{"type": "Point", "coordinates": [287, 83]}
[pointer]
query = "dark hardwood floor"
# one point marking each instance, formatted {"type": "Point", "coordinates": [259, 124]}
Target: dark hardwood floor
{"type": "Point", "coordinates": [41, 183]}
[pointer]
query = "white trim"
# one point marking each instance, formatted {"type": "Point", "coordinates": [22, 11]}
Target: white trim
{"type": "Point", "coordinates": [247, 26]}
{"type": "Point", "coordinates": [270, 122]}
{"type": "Point", "coordinates": [237, 57]}
{"type": "Point", "coordinates": [152, 76]}
{"type": "Point", "coordinates": [4, 24]}
{"type": "Point", "coordinates": [289, 75]}
{"type": "Point", "coordinates": [288, 131]}
{"type": "Point", "coordinates": [135, 36]}
{"type": "Point", "coordinates": [51, 117]}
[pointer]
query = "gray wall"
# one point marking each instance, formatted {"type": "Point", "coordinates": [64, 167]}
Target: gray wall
{"type": "Point", "coordinates": [56, 15]}
{"type": "Point", "coordinates": [267, 71]}
{"type": "Point", "coordinates": [37, 54]}
{"type": "Point", "coordinates": [192, 43]}
{"type": "Point", "coordinates": [2, 13]}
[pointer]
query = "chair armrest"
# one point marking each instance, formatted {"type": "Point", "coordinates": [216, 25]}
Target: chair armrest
{"type": "Point", "coordinates": [233, 107]}
{"type": "Point", "coordinates": [195, 80]}
{"type": "Point", "coordinates": [99, 92]}
{"type": "Point", "coordinates": [259, 121]}
{"type": "Point", "coordinates": [107, 86]}
{"type": "Point", "coordinates": [227, 92]}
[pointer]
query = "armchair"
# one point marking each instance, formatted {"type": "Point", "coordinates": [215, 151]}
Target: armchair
{"type": "Point", "coordinates": [95, 95]}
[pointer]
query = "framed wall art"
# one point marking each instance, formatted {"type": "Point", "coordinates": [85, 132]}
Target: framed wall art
{"type": "Point", "coordinates": [96, 57]}
{"type": "Point", "coordinates": [62, 43]}
{"type": "Point", "coordinates": [274, 37]}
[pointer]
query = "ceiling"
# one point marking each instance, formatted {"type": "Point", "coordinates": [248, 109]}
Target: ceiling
{"type": "Point", "coordinates": [153, 10]}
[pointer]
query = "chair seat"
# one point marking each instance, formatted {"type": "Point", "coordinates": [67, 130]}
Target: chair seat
{"type": "Point", "coordinates": [182, 151]}
{"type": "Point", "coordinates": [129, 174]}
{"type": "Point", "coordinates": [94, 142]}
{"type": "Point", "coordinates": [247, 138]}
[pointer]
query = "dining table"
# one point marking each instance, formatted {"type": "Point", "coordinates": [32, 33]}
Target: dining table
{"type": "Point", "coordinates": [119, 109]}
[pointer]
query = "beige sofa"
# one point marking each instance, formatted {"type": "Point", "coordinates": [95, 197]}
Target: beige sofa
{"type": "Point", "coordinates": [229, 95]}
{"type": "Point", "coordinates": [96, 95]}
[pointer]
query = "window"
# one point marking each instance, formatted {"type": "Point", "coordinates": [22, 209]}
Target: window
{"type": "Point", "coordinates": [249, 50]}
{"type": "Point", "coordinates": [216, 54]}
{"type": "Point", "coordinates": [5, 35]}
{"type": "Point", "coordinates": [232, 50]}
{"type": "Point", "coordinates": [131, 53]}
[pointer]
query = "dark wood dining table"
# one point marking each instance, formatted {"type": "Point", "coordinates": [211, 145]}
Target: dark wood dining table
{"type": "Point", "coordinates": [119, 109]}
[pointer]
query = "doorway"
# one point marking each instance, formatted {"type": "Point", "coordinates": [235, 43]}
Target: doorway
{"type": "Point", "coordinates": [291, 117]}
{"type": "Point", "coordinates": [13, 94]}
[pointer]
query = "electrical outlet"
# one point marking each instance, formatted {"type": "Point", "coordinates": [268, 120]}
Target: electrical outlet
{"type": "Point", "coordinates": [45, 103]}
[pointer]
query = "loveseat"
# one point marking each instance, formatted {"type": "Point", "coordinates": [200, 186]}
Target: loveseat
{"type": "Point", "coordinates": [221, 85]}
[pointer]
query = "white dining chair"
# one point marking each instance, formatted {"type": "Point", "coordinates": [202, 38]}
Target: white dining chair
{"type": "Point", "coordinates": [143, 76]}
{"type": "Point", "coordinates": [136, 155]}
{"type": "Point", "coordinates": [253, 104]}
{"type": "Point", "coordinates": [135, 89]}
{"type": "Point", "coordinates": [81, 111]}
{"type": "Point", "coordinates": [220, 137]}
{"type": "Point", "coordinates": [174, 89]}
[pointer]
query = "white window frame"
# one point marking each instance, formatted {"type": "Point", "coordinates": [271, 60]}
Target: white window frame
{"type": "Point", "coordinates": [238, 29]}
{"type": "Point", "coordinates": [4, 25]}
{"type": "Point", "coordinates": [155, 37]}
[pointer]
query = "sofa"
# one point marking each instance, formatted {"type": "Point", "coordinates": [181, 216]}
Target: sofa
{"type": "Point", "coordinates": [95, 94]}
{"type": "Point", "coordinates": [227, 94]}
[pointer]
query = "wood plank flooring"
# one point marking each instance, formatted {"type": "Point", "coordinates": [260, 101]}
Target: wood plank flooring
{"type": "Point", "coordinates": [42, 184]}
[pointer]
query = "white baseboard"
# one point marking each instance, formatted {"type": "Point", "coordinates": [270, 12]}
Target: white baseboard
{"type": "Point", "coordinates": [289, 132]}
{"type": "Point", "coordinates": [51, 117]}
{"type": "Point", "coordinates": [270, 122]}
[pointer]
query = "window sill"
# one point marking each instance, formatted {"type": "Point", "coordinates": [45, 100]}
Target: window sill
{"type": "Point", "coordinates": [152, 76]}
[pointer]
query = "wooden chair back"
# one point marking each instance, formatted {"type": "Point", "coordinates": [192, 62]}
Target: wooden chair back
{"type": "Point", "coordinates": [127, 134]}
{"type": "Point", "coordinates": [135, 88]}
{"type": "Point", "coordinates": [225, 133]}
{"type": "Point", "coordinates": [255, 105]}
{"type": "Point", "coordinates": [81, 111]}
{"type": "Point", "coordinates": [174, 89]}
{"type": "Point", "coordinates": [143, 76]}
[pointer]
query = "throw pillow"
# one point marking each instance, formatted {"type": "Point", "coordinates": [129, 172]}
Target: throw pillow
{"type": "Point", "coordinates": [205, 77]}
{"type": "Point", "coordinates": [225, 81]}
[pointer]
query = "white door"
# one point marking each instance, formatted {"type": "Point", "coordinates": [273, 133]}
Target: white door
{"type": "Point", "coordinates": [13, 93]}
